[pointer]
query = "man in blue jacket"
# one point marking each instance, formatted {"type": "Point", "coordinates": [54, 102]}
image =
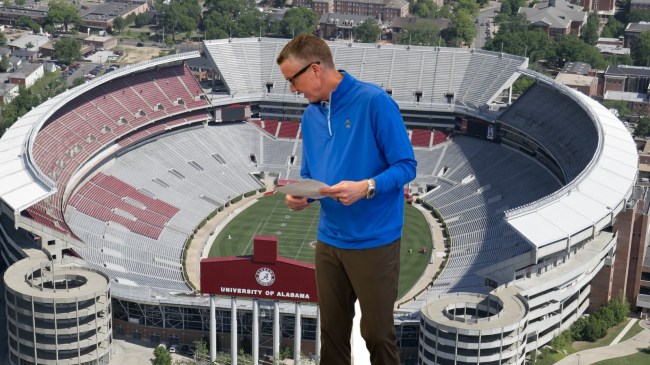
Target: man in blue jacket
{"type": "Point", "coordinates": [354, 140]}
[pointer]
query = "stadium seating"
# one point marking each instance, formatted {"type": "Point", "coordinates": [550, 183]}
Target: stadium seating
{"type": "Point", "coordinates": [480, 181]}
{"type": "Point", "coordinates": [473, 76]}
{"type": "Point", "coordinates": [571, 142]}
{"type": "Point", "coordinates": [103, 116]}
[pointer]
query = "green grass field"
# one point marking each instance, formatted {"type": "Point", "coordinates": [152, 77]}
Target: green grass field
{"type": "Point", "coordinates": [296, 232]}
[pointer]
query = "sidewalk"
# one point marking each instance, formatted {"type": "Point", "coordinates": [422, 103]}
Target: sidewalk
{"type": "Point", "coordinates": [432, 267]}
{"type": "Point", "coordinates": [635, 344]}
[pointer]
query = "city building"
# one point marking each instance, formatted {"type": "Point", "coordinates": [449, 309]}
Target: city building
{"type": "Point", "coordinates": [602, 7]}
{"type": "Point", "coordinates": [632, 32]}
{"type": "Point", "coordinates": [398, 24]}
{"type": "Point", "coordinates": [8, 92]}
{"type": "Point", "coordinates": [640, 5]}
{"type": "Point", "coordinates": [334, 26]}
{"type": "Point", "coordinates": [27, 74]}
{"type": "Point", "coordinates": [586, 84]}
{"type": "Point", "coordinates": [634, 79]}
{"type": "Point", "coordinates": [383, 10]}
{"type": "Point", "coordinates": [556, 17]}
{"type": "Point", "coordinates": [57, 314]}
{"type": "Point", "coordinates": [612, 46]}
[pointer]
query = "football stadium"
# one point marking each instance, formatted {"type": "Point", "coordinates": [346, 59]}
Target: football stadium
{"type": "Point", "coordinates": [116, 176]}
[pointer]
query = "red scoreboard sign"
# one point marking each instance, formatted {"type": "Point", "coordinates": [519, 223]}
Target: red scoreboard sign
{"type": "Point", "coordinates": [264, 275]}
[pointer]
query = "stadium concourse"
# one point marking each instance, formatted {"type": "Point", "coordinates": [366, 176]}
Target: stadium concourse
{"type": "Point", "coordinates": [117, 174]}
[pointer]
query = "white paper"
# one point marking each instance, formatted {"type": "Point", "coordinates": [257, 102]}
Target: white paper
{"type": "Point", "coordinates": [308, 188]}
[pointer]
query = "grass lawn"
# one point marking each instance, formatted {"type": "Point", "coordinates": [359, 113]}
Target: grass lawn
{"type": "Point", "coordinates": [296, 232]}
{"type": "Point", "coordinates": [548, 357]}
{"type": "Point", "coordinates": [605, 341]}
{"type": "Point", "coordinates": [641, 358]}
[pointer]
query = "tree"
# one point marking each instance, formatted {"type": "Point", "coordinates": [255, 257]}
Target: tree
{"type": "Point", "coordinates": [20, 2]}
{"type": "Point", "coordinates": [3, 39]}
{"type": "Point", "coordinates": [522, 84]}
{"type": "Point", "coordinates": [590, 31]}
{"type": "Point", "coordinates": [297, 21]}
{"type": "Point", "coordinates": [511, 6]}
{"type": "Point", "coordinates": [572, 49]}
{"type": "Point", "coordinates": [470, 6]}
{"type": "Point", "coordinates": [78, 81]}
{"type": "Point", "coordinates": [141, 20]}
{"type": "Point", "coordinates": [620, 308]}
{"type": "Point", "coordinates": [420, 34]}
{"type": "Point", "coordinates": [462, 28]}
{"type": "Point", "coordinates": [6, 3]}
{"type": "Point", "coordinates": [67, 50]}
{"type": "Point", "coordinates": [513, 23]}
{"type": "Point", "coordinates": [621, 107]}
{"type": "Point", "coordinates": [4, 64]}
{"type": "Point", "coordinates": [619, 59]}
{"type": "Point", "coordinates": [29, 45]}
{"type": "Point", "coordinates": [119, 24]}
{"type": "Point", "coordinates": [179, 15]}
{"type": "Point", "coordinates": [63, 12]}
{"type": "Point", "coordinates": [641, 49]}
{"type": "Point", "coordinates": [217, 25]}
{"type": "Point", "coordinates": [637, 16]}
{"type": "Point", "coordinates": [202, 352]}
{"type": "Point", "coordinates": [368, 31]}
{"type": "Point", "coordinates": [642, 126]}
{"type": "Point", "coordinates": [613, 28]}
{"type": "Point", "coordinates": [161, 356]}
{"type": "Point", "coordinates": [27, 22]}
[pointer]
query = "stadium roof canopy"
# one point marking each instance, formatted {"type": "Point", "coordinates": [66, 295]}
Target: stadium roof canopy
{"type": "Point", "coordinates": [22, 184]}
{"type": "Point", "coordinates": [589, 202]}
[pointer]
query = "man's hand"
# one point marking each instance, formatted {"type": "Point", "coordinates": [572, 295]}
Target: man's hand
{"type": "Point", "coordinates": [296, 202]}
{"type": "Point", "coordinates": [346, 192]}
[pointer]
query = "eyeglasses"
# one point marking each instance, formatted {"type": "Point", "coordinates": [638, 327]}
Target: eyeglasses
{"type": "Point", "coordinates": [293, 78]}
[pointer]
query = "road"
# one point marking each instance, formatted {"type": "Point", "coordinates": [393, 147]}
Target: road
{"type": "Point", "coordinates": [485, 17]}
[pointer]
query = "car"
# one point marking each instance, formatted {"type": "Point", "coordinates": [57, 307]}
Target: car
{"type": "Point", "coordinates": [173, 348]}
{"type": "Point", "coordinates": [184, 349]}
{"type": "Point", "coordinates": [140, 44]}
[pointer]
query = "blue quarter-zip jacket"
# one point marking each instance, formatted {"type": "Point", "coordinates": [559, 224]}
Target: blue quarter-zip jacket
{"type": "Point", "coordinates": [358, 135]}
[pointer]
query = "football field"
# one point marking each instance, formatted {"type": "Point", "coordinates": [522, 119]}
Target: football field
{"type": "Point", "coordinates": [296, 233]}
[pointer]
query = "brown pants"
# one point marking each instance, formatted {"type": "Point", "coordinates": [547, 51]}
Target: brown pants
{"type": "Point", "coordinates": [370, 275]}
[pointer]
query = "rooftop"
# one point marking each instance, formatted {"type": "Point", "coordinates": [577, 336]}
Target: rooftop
{"type": "Point", "coordinates": [625, 70]}
{"type": "Point", "coordinates": [571, 79]}
{"type": "Point", "coordinates": [626, 96]}
{"type": "Point", "coordinates": [577, 67]}
{"type": "Point", "coordinates": [637, 27]}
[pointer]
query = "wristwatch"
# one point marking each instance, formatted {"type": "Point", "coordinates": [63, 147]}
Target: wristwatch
{"type": "Point", "coordinates": [371, 189]}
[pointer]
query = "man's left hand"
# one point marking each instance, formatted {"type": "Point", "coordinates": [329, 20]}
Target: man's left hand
{"type": "Point", "coordinates": [346, 192]}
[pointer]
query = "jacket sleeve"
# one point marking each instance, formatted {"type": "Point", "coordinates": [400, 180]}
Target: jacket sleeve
{"type": "Point", "coordinates": [393, 141]}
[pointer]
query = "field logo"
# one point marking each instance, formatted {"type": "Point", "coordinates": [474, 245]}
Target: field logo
{"type": "Point", "coordinates": [265, 276]}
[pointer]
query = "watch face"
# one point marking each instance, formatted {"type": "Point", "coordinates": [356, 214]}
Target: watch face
{"type": "Point", "coordinates": [265, 276]}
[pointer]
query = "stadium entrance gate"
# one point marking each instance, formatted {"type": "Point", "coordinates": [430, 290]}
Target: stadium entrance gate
{"type": "Point", "coordinates": [265, 275]}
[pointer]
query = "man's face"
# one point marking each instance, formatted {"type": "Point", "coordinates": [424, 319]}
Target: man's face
{"type": "Point", "coordinates": [304, 78]}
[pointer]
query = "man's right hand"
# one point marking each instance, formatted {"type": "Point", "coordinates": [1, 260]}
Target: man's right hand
{"type": "Point", "coordinates": [296, 202]}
